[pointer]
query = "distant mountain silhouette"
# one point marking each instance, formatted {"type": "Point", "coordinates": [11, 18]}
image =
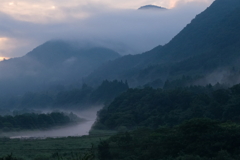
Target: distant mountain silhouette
{"type": "Point", "coordinates": [210, 44]}
{"type": "Point", "coordinates": [151, 7]}
{"type": "Point", "coordinates": [54, 62]}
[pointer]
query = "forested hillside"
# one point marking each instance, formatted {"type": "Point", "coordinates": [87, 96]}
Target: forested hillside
{"type": "Point", "coordinates": [61, 97]}
{"type": "Point", "coordinates": [153, 108]}
{"type": "Point", "coordinates": [197, 139]}
{"type": "Point", "coordinates": [210, 44]}
{"type": "Point", "coordinates": [52, 63]}
{"type": "Point", "coordinates": [32, 121]}
{"type": "Point", "coordinates": [164, 104]}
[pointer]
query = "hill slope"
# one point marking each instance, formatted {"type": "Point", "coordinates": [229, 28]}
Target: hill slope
{"type": "Point", "coordinates": [52, 63]}
{"type": "Point", "coordinates": [208, 44]}
{"type": "Point", "coordinates": [151, 7]}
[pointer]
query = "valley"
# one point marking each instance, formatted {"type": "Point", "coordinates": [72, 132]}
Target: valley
{"type": "Point", "coordinates": [77, 129]}
{"type": "Point", "coordinates": [178, 101]}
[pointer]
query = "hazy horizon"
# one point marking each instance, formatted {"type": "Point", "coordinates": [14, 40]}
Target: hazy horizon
{"type": "Point", "coordinates": [116, 25]}
{"type": "Point", "coordinates": [80, 129]}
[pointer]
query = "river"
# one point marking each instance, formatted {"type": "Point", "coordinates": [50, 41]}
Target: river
{"type": "Point", "coordinates": [73, 130]}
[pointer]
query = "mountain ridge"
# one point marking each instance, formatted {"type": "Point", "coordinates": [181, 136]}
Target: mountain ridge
{"type": "Point", "coordinates": [210, 42]}
{"type": "Point", "coordinates": [151, 7]}
{"type": "Point", "coordinates": [54, 62]}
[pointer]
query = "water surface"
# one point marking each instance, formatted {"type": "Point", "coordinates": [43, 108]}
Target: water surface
{"type": "Point", "coordinates": [73, 130]}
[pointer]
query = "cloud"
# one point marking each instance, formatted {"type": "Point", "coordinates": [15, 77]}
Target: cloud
{"type": "Point", "coordinates": [56, 10]}
{"type": "Point", "coordinates": [128, 31]}
{"type": "Point", "coordinates": [177, 3]}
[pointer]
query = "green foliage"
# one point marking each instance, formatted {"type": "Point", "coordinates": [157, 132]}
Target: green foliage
{"type": "Point", "coordinates": [157, 107]}
{"type": "Point", "coordinates": [86, 95]}
{"type": "Point", "coordinates": [196, 139]}
{"type": "Point", "coordinates": [31, 121]}
{"type": "Point", "coordinates": [108, 90]}
{"type": "Point", "coordinates": [9, 157]}
{"type": "Point", "coordinates": [209, 44]}
{"type": "Point", "coordinates": [67, 148]}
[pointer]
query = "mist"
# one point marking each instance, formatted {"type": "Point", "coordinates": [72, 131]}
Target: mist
{"type": "Point", "coordinates": [127, 31]}
{"type": "Point", "coordinates": [83, 128]}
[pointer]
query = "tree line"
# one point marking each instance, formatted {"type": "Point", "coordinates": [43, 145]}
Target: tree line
{"type": "Point", "coordinates": [60, 97]}
{"type": "Point", "coordinates": [195, 139]}
{"type": "Point", "coordinates": [33, 121]}
{"type": "Point", "coordinates": [148, 107]}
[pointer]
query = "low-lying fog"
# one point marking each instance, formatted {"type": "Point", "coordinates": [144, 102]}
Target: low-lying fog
{"type": "Point", "coordinates": [73, 130]}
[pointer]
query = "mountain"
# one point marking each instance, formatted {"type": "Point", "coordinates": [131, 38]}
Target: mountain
{"type": "Point", "coordinates": [54, 52]}
{"type": "Point", "coordinates": [151, 7]}
{"type": "Point", "coordinates": [209, 45]}
{"type": "Point", "coordinates": [52, 63]}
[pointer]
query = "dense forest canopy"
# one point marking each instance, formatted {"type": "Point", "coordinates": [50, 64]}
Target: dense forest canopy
{"type": "Point", "coordinates": [60, 97]}
{"type": "Point", "coordinates": [152, 108]}
{"type": "Point", "coordinates": [33, 121]}
{"type": "Point", "coordinates": [209, 45]}
{"type": "Point", "coordinates": [183, 102]}
{"type": "Point", "coordinates": [56, 62]}
{"type": "Point", "coordinates": [196, 139]}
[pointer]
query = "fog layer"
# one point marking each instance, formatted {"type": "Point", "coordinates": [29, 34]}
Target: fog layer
{"type": "Point", "coordinates": [74, 130]}
{"type": "Point", "coordinates": [126, 31]}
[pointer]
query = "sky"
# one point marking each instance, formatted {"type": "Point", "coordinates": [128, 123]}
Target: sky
{"type": "Point", "coordinates": [115, 24]}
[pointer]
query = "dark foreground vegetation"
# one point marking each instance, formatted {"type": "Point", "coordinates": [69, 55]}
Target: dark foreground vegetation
{"type": "Point", "coordinates": [184, 123]}
{"type": "Point", "coordinates": [188, 123]}
{"type": "Point", "coordinates": [196, 139]}
{"type": "Point", "coordinates": [69, 148]}
{"type": "Point", "coordinates": [152, 108]}
{"type": "Point", "coordinates": [32, 121]}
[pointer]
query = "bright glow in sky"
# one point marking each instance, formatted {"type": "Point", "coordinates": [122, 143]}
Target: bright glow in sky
{"type": "Point", "coordinates": [4, 58]}
{"type": "Point", "coordinates": [55, 10]}
{"type": "Point", "coordinates": [28, 23]}
{"type": "Point", "coordinates": [5, 46]}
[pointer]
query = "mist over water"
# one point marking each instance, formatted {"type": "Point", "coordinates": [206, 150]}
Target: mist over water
{"type": "Point", "coordinates": [80, 129]}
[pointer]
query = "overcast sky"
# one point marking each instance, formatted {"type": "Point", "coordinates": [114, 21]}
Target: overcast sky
{"type": "Point", "coordinates": [116, 24]}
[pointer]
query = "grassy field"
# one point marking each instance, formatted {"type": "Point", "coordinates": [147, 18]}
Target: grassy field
{"type": "Point", "coordinates": [50, 148]}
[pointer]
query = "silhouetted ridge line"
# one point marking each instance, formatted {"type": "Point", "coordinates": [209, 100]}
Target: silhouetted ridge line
{"type": "Point", "coordinates": [151, 7]}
